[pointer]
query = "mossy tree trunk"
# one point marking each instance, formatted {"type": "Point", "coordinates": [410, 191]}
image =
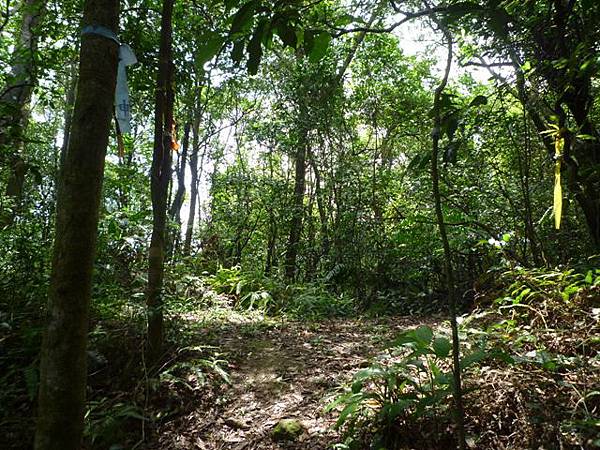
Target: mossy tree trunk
{"type": "Point", "coordinates": [63, 356]}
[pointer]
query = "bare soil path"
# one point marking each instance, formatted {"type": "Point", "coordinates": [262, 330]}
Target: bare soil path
{"type": "Point", "coordinates": [279, 370]}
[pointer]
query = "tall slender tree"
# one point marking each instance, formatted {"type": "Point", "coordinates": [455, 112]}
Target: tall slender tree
{"type": "Point", "coordinates": [189, 229]}
{"type": "Point", "coordinates": [448, 269]}
{"type": "Point", "coordinates": [175, 210]}
{"type": "Point", "coordinates": [298, 201]}
{"type": "Point", "coordinates": [63, 356]}
{"type": "Point", "coordinates": [159, 184]}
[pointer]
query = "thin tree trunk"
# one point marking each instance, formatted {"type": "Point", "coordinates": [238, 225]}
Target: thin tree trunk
{"type": "Point", "coordinates": [15, 104]}
{"type": "Point", "coordinates": [435, 178]}
{"type": "Point", "coordinates": [175, 210]}
{"type": "Point", "coordinates": [189, 231]}
{"type": "Point", "coordinates": [524, 161]}
{"type": "Point", "coordinates": [178, 200]}
{"type": "Point", "coordinates": [300, 159]}
{"type": "Point", "coordinates": [68, 113]}
{"type": "Point", "coordinates": [321, 208]}
{"type": "Point", "coordinates": [159, 185]}
{"type": "Point", "coordinates": [297, 208]}
{"type": "Point", "coordinates": [272, 239]}
{"type": "Point", "coordinates": [313, 253]}
{"type": "Point", "coordinates": [63, 355]}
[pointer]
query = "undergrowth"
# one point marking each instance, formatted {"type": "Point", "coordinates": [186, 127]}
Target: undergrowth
{"type": "Point", "coordinates": [531, 371]}
{"type": "Point", "coordinates": [308, 300]}
{"type": "Point", "coordinates": [531, 361]}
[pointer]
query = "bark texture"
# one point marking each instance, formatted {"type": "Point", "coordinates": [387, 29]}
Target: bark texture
{"type": "Point", "coordinates": [159, 184]}
{"type": "Point", "coordinates": [63, 356]}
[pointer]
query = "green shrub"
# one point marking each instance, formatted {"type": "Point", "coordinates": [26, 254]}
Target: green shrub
{"type": "Point", "coordinates": [414, 384]}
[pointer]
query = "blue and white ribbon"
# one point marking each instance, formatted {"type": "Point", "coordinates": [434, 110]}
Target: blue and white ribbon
{"type": "Point", "coordinates": [126, 58]}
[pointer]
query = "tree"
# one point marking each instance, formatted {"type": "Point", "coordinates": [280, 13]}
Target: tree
{"type": "Point", "coordinates": [189, 229]}
{"type": "Point", "coordinates": [164, 135]}
{"type": "Point", "coordinates": [175, 211]}
{"type": "Point", "coordinates": [448, 269]}
{"type": "Point", "coordinates": [14, 102]}
{"type": "Point", "coordinates": [63, 355]}
{"type": "Point", "coordinates": [554, 61]}
{"type": "Point", "coordinates": [299, 187]}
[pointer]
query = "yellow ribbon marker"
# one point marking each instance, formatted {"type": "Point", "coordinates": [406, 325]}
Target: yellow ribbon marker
{"type": "Point", "coordinates": [558, 147]}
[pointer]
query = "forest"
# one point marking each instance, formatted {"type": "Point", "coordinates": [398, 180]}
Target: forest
{"type": "Point", "coordinates": [299, 224]}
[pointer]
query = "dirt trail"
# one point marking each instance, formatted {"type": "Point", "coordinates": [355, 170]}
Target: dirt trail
{"type": "Point", "coordinates": [281, 371]}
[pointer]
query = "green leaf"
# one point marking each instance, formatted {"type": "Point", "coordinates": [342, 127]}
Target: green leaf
{"type": "Point", "coordinates": [586, 137]}
{"type": "Point", "coordinates": [255, 49]}
{"type": "Point", "coordinates": [473, 358]}
{"type": "Point", "coordinates": [393, 410]}
{"type": "Point", "coordinates": [337, 401]}
{"type": "Point", "coordinates": [287, 34]}
{"type": "Point", "coordinates": [462, 8]}
{"type": "Point", "coordinates": [211, 44]}
{"type": "Point", "coordinates": [424, 334]}
{"type": "Point", "coordinates": [442, 347]}
{"type": "Point", "coordinates": [243, 18]}
{"type": "Point", "coordinates": [478, 101]}
{"type": "Point", "coordinates": [309, 41]}
{"type": "Point", "coordinates": [237, 53]}
{"type": "Point", "coordinates": [450, 125]}
{"type": "Point", "coordinates": [369, 372]}
{"type": "Point", "coordinates": [347, 19]}
{"type": "Point", "coordinates": [319, 49]}
{"type": "Point", "coordinates": [353, 403]}
{"type": "Point", "coordinates": [357, 387]}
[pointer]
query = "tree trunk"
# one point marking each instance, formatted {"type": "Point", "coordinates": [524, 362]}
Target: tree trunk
{"type": "Point", "coordinates": [68, 113]}
{"type": "Point", "coordinates": [297, 209]}
{"type": "Point", "coordinates": [573, 89]}
{"type": "Point", "coordinates": [321, 208]}
{"type": "Point", "coordinates": [189, 231]}
{"type": "Point", "coordinates": [159, 184]}
{"type": "Point", "coordinates": [524, 165]}
{"type": "Point", "coordinates": [14, 104]}
{"type": "Point", "coordinates": [63, 355]}
{"type": "Point", "coordinates": [178, 200]}
{"type": "Point", "coordinates": [175, 210]}
{"type": "Point", "coordinates": [435, 178]}
{"type": "Point", "coordinates": [272, 234]}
